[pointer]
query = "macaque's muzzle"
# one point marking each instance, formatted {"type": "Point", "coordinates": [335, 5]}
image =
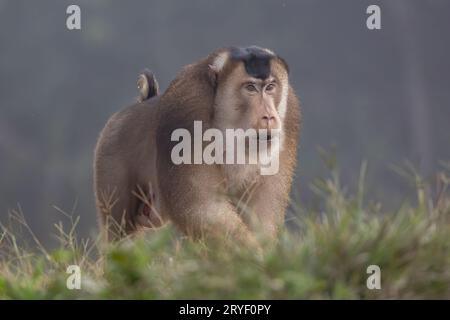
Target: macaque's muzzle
{"type": "Point", "coordinates": [268, 119]}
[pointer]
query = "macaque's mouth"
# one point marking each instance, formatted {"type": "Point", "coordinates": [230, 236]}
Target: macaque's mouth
{"type": "Point", "coordinates": [267, 137]}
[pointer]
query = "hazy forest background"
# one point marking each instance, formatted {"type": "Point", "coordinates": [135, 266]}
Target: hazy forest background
{"type": "Point", "coordinates": [381, 96]}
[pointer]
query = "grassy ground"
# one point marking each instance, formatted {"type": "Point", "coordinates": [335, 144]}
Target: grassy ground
{"type": "Point", "coordinates": [326, 258]}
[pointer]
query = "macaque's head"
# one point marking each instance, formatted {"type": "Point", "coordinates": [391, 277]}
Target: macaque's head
{"type": "Point", "coordinates": [251, 89]}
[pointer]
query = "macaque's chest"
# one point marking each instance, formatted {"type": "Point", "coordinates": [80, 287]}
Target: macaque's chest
{"type": "Point", "coordinates": [240, 178]}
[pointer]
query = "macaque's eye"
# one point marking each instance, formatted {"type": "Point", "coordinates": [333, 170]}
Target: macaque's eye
{"type": "Point", "coordinates": [270, 87]}
{"type": "Point", "coordinates": [250, 87]}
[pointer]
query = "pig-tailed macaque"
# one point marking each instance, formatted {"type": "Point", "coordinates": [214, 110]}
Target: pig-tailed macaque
{"type": "Point", "coordinates": [167, 157]}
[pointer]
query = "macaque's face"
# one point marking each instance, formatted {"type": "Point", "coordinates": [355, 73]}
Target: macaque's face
{"type": "Point", "coordinates": [245, 102]}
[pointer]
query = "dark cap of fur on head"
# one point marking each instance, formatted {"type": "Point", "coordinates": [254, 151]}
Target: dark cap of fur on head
{"type": "Point", "coordinates": [256, 60]}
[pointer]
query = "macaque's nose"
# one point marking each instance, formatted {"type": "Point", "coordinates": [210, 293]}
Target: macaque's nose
{"type": "Point", "coordinates": [268, 121]}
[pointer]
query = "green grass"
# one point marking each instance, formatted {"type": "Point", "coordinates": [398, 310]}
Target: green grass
{"type": "Point", "coordinates": [325, 258]}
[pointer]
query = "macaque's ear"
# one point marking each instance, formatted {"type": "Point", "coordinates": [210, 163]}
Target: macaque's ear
{"type": "Point", "coordinates": [216, 65]}
{"type": "Point", "coordinates": [213, 75]}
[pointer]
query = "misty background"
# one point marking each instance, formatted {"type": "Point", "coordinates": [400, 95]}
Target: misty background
{"type": "Point", "coordinates": [381, 96]}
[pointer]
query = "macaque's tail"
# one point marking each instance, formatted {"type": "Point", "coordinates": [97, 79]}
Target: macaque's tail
{"type": "Point", "coordinates": [147, 85]}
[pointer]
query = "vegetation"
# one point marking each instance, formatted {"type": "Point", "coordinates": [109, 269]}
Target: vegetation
{"type": "Point", "coordinates": [326, 257]}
